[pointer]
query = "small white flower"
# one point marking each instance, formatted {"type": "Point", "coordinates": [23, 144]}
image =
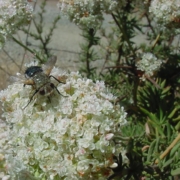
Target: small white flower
{"type": "Point", "coordinates": [3, 176]}
{"type": "Point", "coordinates": [109, 136]}
{"type": "Point", "coordinates": [114, 165]}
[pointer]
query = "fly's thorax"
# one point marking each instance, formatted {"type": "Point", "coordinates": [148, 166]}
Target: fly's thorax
{"type": "Point", "coordinates": [43, 84]}
{"type": "Point", "coordinates": [40, 80]}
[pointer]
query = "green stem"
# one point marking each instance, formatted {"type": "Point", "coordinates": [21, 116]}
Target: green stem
{"type": "Point", "coordinates": [123, 30]}
{"type": "Point", "coordinates": [26, 48]}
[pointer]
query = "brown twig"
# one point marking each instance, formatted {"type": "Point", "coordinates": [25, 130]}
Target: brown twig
{"type": "Point", "coordinates": [164, 154]}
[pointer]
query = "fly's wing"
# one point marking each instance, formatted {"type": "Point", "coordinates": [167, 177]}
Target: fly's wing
{"type": "Point", "coordinates": [19, 78]}
{"type": "Point", "coordinates": [47, 67]}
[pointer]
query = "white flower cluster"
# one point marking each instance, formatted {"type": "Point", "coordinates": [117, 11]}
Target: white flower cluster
{"type": "Point", "coordinates": [3, 139]}
{"type": "Point", "coordinates": [166, 12]}
{"type": "Point", "coordinates": [13, 13]}
{"type": "Point", "coordinates": [68, 136]}
{"type": "Point", "coordinates": [89, 13]}
{"type": "Point", "coordinates": [149, 64]}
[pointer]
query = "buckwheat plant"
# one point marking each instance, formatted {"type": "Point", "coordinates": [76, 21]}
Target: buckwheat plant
{"type": "Point", "coordinates": [149, 64]}
{"type": "Point", "coordinates": [13, 14]}
{"type": "Point", "coordinates": [68, 136]}
{"type": "Point", "coordinates": [89, 13]}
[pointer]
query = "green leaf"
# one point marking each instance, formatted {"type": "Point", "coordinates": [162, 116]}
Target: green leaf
{"type": "Point", "coordinates": [173, 112]}
{"type": "Point", "coordinates": [175, 172]}
{"type": "Point", "coordinates": [168, 162]}
{"type": "Point", "coordinates": [149, 114]}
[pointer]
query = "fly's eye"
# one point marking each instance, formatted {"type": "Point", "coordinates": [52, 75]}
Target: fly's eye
{"type": "Point", "coordinates": [42, 92]}
{"type": "Point", "coordinates": [52, 85]}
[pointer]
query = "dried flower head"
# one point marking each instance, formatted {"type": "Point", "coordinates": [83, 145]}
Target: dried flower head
{"type": "Point", "coordinates": [64, 137]}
